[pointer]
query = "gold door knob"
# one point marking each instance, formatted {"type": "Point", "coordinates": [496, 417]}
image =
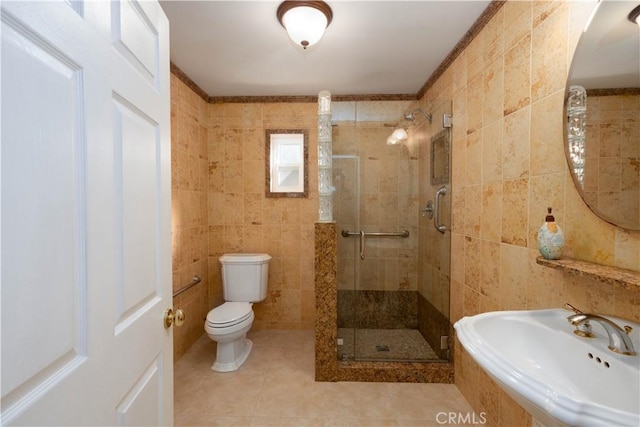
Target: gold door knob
{"type": "Point", "coordinates": [170, 317]}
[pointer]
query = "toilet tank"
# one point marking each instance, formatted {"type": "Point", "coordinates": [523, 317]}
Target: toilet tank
{"type": "Point", "coordinates": [244, 277]}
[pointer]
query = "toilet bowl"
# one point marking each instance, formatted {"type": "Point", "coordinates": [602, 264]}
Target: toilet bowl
{"type": "Point", "coordinates": [228, 325]}
{"type": "Point", "coordinates": [244, 281]}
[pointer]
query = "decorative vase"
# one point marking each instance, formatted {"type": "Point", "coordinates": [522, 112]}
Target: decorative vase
{"type": "Point", "coordinates": [550, 238]}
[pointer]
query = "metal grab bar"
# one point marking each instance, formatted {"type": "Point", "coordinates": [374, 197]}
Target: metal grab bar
{"type": "Point", "coordinates": [345, 233]}
{"type": "Point", "coordinates": [194, 281]}
{"type": "Point", "coordinates": [404, 234]}
{"type": "Point", "coordinates": [436, 218]}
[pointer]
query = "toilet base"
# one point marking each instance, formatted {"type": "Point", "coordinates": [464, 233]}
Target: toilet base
{"type": "Point", "coordinates": [231, 355]}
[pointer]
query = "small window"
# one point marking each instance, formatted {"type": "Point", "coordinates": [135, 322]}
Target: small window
{"type": "Point", "coordinates": [286, 152]}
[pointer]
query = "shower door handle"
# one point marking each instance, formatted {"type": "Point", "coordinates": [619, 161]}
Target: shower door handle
{"type": "Point", "coordinates": [436, 218]}
{"type": "Point", "coordinates": [362, 234]}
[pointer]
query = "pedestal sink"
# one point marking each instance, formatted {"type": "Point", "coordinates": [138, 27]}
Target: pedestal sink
{"type": "Point", "coordinates": [560, 378]}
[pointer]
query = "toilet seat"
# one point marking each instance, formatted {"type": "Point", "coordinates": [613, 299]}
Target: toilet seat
{"type": "Point", "coordinates": [229, 314]}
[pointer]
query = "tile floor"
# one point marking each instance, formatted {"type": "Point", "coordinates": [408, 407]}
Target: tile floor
{"type": "Point", "coordinates": [276, 387]}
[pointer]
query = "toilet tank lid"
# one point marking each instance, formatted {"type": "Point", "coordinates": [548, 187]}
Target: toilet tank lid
{"type": "Point", "coordinates": [244, 258]}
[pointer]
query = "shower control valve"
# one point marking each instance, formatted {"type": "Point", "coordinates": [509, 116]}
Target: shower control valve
{"type": "Point", "coordinates": [428, 210]}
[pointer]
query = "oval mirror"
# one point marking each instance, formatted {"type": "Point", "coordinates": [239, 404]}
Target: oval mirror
{"type": "Point", "coordinates": [602, 113]}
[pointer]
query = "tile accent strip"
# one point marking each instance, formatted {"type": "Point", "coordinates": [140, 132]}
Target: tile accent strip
{"type": "Point", "coordinates": [304, 98]}
{"type": "Point", "coordinates": [176, 71]}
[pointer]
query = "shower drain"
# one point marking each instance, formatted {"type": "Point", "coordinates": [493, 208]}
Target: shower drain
{"type": "Point", "coordinates": [382, 347]}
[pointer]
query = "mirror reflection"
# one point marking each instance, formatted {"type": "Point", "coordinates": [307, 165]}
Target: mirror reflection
{"type": "Point", "coordinates": [286, 155]}
{"type": "Point", "coordinates": [602, 112]}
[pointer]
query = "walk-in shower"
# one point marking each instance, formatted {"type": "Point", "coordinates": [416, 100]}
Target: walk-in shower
{"type": "Point", "coordinates": [393, 264]}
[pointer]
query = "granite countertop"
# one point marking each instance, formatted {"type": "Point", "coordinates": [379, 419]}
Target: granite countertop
{"type": "Point", "coordinates": [628, 279]}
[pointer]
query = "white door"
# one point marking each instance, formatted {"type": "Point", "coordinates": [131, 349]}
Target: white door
{"type": "Point", "coordinates": [85, 170]}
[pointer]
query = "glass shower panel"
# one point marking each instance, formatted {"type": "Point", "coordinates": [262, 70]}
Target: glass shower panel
{"type": "Point", "coordinates": [346, 170]}
{"type": "Point", "coordinates": [386, 303]}
{"type": "Point", "coordinates": [435, 246]}
{"type": "Point", "coordinates": [393, 292]}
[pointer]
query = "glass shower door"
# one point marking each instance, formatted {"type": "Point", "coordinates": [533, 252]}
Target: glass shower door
{"type": "Point", "coordinates": [393, 281]}
{"type": "Point", "coordinates": [346, 170]}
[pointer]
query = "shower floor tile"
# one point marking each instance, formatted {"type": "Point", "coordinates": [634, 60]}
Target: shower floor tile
{"type": "Point", "coordinates": [384, 344]}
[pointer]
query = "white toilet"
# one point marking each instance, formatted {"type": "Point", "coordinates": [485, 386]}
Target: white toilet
{"type": "Point", "coordinates": [244, 281]}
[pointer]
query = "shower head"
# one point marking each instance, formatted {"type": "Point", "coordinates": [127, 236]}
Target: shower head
{"type": "Point", "coordinates": [412, 115]}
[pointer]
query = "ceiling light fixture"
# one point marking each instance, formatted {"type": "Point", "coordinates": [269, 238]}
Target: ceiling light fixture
{"type": "Point", "coordinates": [634, 16]}
{"type": "Point", "coordinates": [305, 21]}
{"type": "Point", "coordinates": [400, 134]}
{"type": "Point", "coordinates": [397, 136]}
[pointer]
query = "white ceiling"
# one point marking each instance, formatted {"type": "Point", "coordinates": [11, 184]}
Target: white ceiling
{"type": "Point", "coordinates": [238, 48]}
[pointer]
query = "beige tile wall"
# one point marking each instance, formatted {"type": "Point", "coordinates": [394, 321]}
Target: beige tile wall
{"type": "Point", "coordinates": [507, 89]}
{"type": "Point", "coordinates": [241, 219]}
{"type": "Point", "coordinates": [189, 210]}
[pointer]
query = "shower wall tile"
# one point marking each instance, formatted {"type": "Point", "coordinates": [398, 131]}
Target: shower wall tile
{"type": "Point", "coordinates": [473, 210]}
{"type": "Point", "coordinates": [515, 145]}
{"type": "Point", "coordinates": [432, 323]}
{"type": "Point", "coordinates": [549, 49]}
{"type": "Point", "coordinates": [379, 111]}
{"type": "Point", "coordinates": [189, 206]}
{"type": "Point", "coordinates": [474, 105]}
{"type": "Point", "coordinates": [517, 74]}
{"type": "Point", "coordinates": [492, 91]}
{"type": "Point", "coordinates": [491, 215]}
{"type": "Point", "coordinates": [492, 38]}
{"type": "Point", "coordinates": [546, 125]}
{"type": "Point", "coordinates": [491, 152]}
{"type": "Point", "coordinates": [475, 59]}
{"type": "Point", "coordinates": [474, 158]}
{"type": "Point", "coordinates": [515, 219]}
{"type": "Point", "coordinates": [494, 267]}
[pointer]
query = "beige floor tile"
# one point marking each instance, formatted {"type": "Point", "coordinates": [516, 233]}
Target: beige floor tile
{"type": "Point", "coordinates": [276, 387]}
{"type": "Point", "coordinates": [360, 400]}
{"type": "Point", "coordinates": [291, 396]}
{"type": "Point", "coordinates": [201, 419]}
{"type": "Point", "coordinates": [359, 422]}
{"type": "Point", "coordinates": [286, 422]}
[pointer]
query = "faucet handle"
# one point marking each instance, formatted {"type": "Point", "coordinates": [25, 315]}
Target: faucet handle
{"type": "Point", "coordinates": [583, 329]}
{"type": "Point", "coordinates": [572, 308]}
{"type": "Point", "coordinates": [628, 329]}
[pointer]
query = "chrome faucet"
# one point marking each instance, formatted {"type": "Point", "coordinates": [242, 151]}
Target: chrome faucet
{"type": "Point", "coordinates": [619, 340]}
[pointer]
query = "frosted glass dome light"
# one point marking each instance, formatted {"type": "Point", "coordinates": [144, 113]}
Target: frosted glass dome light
{"type": "Point", "coordinates": [397, 136]}
{"type": "Point", "coordinates": [305, 21]}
